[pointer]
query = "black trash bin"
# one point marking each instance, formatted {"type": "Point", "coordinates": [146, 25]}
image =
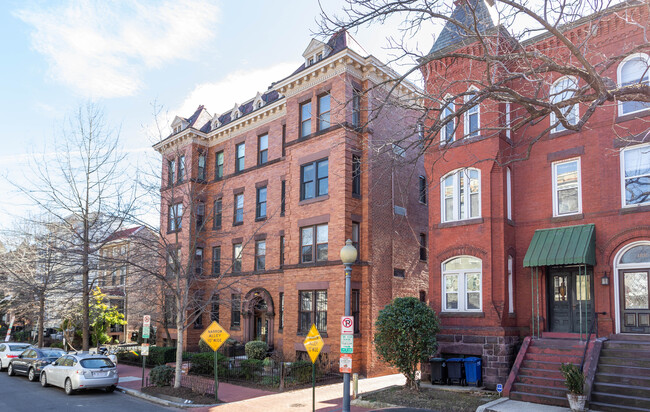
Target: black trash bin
{"type": "Point", "coordinates": [438, 370]}
{"type": "Point", "coordinates": [456, 371]}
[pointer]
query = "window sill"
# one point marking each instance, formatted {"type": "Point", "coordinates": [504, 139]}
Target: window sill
{"type": "Point", "coordinates": [260, 219]}
{"type": "Point", "coordinates": [235, 328]}
{"type": "Point", "coordinates": [313, 200]}
{"type": "Point", "coordinates": [216, 228]}
{"type": "Point", "coordinates": [461, 314]}
{"type": "Point", "coordinates": [356, 196]}
{"type": "Point", "coordinates": [634, 209]}
{"type": "Point", "coordinates": [567, 218]}
{"type": "Point", "coordinates": [512, 315]}
{"type": "Point", "coordinates": [237, 223]}
{"type": "Point", "coordinates": [631, 116]}
{"type": "Point", "coordinates": [198, 326]}
{"type": "Point", "coordinates": [561, 133]}
{"type": "Point", "coordinates": [322, 334]}
{"type": "Point", "coordinates": [466, 222]}
{"type": "Point", "coordinates": [170, 232]}
{"type": "Point", "coordinates": [510, 222]}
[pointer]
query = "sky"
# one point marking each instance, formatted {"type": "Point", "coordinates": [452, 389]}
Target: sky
{"type": "Point", "coordinates": [129, 55]}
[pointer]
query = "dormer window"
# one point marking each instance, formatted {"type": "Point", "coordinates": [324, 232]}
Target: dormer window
{"type": "Point", "coordinates": [259, 105]}
{"type": "Point", "coordinates": [319, 57]}
{"type": "Point", "coordinates": [215, 124]}
{"type": "Point", "coordinates": [177, 129]}
{"type": "Point", "coordinates": [311, 61]}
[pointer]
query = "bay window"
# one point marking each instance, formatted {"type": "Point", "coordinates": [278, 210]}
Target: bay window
{"type": "Point", "coordinates": [461, 195]}
{"type": "Point", "coordinates": [461, 284]}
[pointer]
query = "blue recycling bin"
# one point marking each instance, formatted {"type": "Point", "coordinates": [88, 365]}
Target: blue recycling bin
{"type": "Point", "coordinates": [473, 371]}
{"type": "Point", "coordinates": [456, 371]}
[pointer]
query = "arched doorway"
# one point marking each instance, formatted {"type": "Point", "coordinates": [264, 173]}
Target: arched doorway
{"type": "Point", "coordinates": [259, 316]}
{"type": "Point", "coordinates": [632, 288]}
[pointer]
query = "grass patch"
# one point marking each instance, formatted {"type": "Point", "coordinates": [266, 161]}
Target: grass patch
{"type": "Point", "coordinates": [436, 399]}
{"type": "Point", "coordinates": [183, 393]}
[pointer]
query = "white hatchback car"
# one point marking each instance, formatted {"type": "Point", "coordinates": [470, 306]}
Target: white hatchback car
{"type": "Point", "coordinates": [81, 371]}
{"type": "Point", "coordinates": [10, 350]}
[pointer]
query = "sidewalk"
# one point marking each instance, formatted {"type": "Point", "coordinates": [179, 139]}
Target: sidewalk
{"type": "Point", "coordinates": [509, 405]}
{"type": "Point", "coordinates": [131, 378]}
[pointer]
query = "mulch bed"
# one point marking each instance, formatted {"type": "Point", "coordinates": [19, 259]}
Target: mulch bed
{"type": "Point", "coordinates": [436, 399]}
{"type": "Point", "coordinates": [183, 393]}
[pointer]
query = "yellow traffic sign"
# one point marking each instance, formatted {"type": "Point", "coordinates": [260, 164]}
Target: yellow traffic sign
{"type": "Point", "coordinates": [215, 335]}
{"type": "Point", "coordinates": [313, 343]}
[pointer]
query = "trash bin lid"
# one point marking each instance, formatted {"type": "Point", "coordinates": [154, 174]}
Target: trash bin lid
{"type": "Point", "coordinates": [472, 359]}
{"type": "Point", "coordinates": [455, 360]}
{"type": "Point", "coordinates": [433, 359]}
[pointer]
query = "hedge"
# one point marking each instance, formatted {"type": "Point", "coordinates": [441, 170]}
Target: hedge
{"type": "Point", "coordinates": [256, 349]}
{"type": "Point", "coordinates": [203, 363]}
{"type": "Point", "coordinates": [157, 356]}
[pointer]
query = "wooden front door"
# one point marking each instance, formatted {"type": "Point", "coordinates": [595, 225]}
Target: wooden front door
{"type": "Point", "coordinates": [635, 309]}
{"type": "Point", "coordinates": [571, 307]}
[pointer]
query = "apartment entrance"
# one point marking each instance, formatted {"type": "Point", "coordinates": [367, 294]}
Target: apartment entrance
{"type": "Point", "coordinates": [261, 321]}
{"type": "Point", "coordinates": [570, 294]}
{"type": "Point", "coordinates": [633, 283]}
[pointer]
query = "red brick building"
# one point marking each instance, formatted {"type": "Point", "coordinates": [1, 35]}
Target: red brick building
{"type": "Point", "coordinates": [280, 182]}
{"type": "Point", "coordinates": [543, 243]}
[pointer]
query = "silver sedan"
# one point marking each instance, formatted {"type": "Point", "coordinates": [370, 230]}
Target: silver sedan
{"type": "Point", "coordinates": [9, 351]}
{"type": "Point", "coordinates": [80, 371]}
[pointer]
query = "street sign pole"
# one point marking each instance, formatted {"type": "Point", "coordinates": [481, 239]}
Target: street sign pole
{"type": "Point", "coordinates": [215, 336]}
{"type": "Point", "coordinates": [313, 343]}
{"type": "Point", "coordinates": [313, 387]}
{"type": "Point", "coordinates": [216, 377]}
{"type": "Point", "coordinates": [143, 362]}
{"type": "Point", "coordinates": [146, 323]}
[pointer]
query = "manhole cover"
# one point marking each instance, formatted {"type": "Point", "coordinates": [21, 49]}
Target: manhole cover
{"type": "Point", "coordinates": [297, 405]}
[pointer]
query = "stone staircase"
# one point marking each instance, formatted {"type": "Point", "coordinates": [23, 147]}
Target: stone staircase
{"type": "Point", "coordinates": [538, 378]}
{"type": "Point", "coordinates": [622, 381]}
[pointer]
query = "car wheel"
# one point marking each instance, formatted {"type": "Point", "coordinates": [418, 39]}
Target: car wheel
{"type": "Point", "coordinates": [68, 387]}
{"type": "Point", "coordinates": [110, 389]}
{"type": "Point", "coordinates": [10, 370]}
{"type": "Point", "coordinates": [31, 375]}
{"type": "Point", "coordinates": [43, 380]}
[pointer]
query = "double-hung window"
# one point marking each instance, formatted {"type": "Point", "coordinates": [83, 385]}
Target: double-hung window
{"type": "Point", "coordinates": [201, 170]}
{"type": "Point", "coordinates": [323, 112]}
{"type": "Point", "coordinates": [218, 168]}
{"type": "Point", "coordinates": [313, 243]}
{"type": "Point", "coordinates": [567, 196]}
{"type": "Point", "coordinates": [281, 314]}
{"type": "Point", "coordinates": [216, 260]}
{"type": "Point", "coordinates": [314, 179]}
{"type": "Point", "coordinates": [263, 149]}
{"type": "Point", "coordinates": [305, 119]}
{"type": "Point", "coordinates": [240, 152]}
{"type": "Point", "coordinates": [447, 130]}
{"type": "Point", "coordinates": [214, 310]}
{"type": "Point", "coordinates": [423, 246]}
{"type": "Point", "coordinates": [312, 309]}
{"type": "Point", "coordinates": [355, 306]}
{"type": "Point", "coordinates": [181, 169]}
{"type": "Point", "coordinates": [472, 115]}
{"type": "Point", "coordinates": [200, 215]}
{"type": "Point", "coordinates": [260, 206]}
{"type": "Point", "coordinates": [239, 208]}
{"type": "Point", "coordinates": [356, 175]}
{"type": "Point", "coordinates": [461, 195]}
{"type": "Point", "coordinates": [260, 255]}
{"type": "Point", "coordinates": [235, 310]}
{"type": "Point", "coordinates": [236, 257]}
{"type": "Point", "coordinates": [175, 217]}
{"type": "Point", "coordinates": [216, 224]}
{"type": "Point", "coordinates": [356, 108]}
{"type": "Point", "coordinates": [635, 69]}
{"type": "Point", "coordinates": [198, 261]}
{"type": "Point", "coordinates": [422, 194]}
{"type": "Point", "coordinates": [171, 171]}
{"type": "Point", "coordinates": [635, 175]}
{"type": "Point", "coordinates": [281, 251]}
{"type": "Point", "coordinates": [355, 238]}
{"type": "Point", "coordinates": [564, 89]}
{"type": "Point", "coordinates": [283, 195]}
{"type": "Point", "coordinates": [461, 284]}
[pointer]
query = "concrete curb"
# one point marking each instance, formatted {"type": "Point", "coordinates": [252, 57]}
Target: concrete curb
{"type": "Point", "coordinates": [163, 402]}
{"type": "Point", "coordinates": [487, 406]}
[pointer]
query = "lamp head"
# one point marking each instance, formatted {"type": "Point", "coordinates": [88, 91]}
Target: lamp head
{"type": "Point", "coordinates": [348, 253]}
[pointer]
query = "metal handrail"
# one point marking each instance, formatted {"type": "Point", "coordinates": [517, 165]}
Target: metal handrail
{"type": "Point", "coordinates": [591, 330]}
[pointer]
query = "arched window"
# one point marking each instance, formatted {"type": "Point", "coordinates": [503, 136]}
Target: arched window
{"type": "Point", "coordinates": [461, 284]}
{"type": "Point", "coordinates": [461, 195]}
{"type": "Point", "coordinates": [472, 115]}
{"type": "Point", "coordinates": [632, 285]}
{"type": "Point", "coordinates": [447, 131]}
{"type": "Point", "coordinates": [564, 89]}
{"type": "Point", "coordinates": [635, 69]}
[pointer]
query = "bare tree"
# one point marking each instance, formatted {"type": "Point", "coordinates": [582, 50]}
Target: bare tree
{"type": "Point", "coordinates": [506, 55]}
{"type": "Point", "coordinates": [34, 272]}
{"type": "Point", "coordinates": [82, 186]}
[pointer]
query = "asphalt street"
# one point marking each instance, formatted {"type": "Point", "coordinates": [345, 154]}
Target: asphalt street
{"type": "Point", "coordinates": [18, 394]}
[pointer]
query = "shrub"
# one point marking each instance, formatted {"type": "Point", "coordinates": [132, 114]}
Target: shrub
{"type": "Point", "coordinates": [256, 349]}
{"type": "Point", "coordinates": [203, 363]}
{"type": "Point", "coordinates": [56, 345]}
{"type": "Point", "coordinates": [273, 381]}
{"type": "Point", "coordinates": [204, 347]}
{"type": "Point", "coordinates": [406, 335]}
{"type": "Point", "coordinates": [301, 372]}
{"type": "Point", "coordinates": [268, 362]}
{"type": "Point", "coordinates": [161, 375]}
{"type": "Point", "coordinates": [250, 367]}
{"type": "Point", "coordinates": [574, 379]}
{"type": "Point", "coordinates": [160, 355]}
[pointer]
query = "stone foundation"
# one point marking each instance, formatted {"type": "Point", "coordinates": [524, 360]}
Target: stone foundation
{"type": "Point", "coordinates": [497, 353]}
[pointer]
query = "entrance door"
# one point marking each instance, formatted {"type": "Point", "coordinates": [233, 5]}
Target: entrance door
{"type": "Point", "coordinates": [571, 307]}
{"type": "Point", "coordinates": [261, 321]}
{"type": "Point", "coordinates": [635, 312]}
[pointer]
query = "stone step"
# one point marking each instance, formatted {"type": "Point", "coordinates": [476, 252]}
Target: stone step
{"type": "Point", "coordinates": [557, 343]}
{"type": "Point", "coordinates": [626, 353]}
{"type": "Point", "coordinates": [541, 381]}
{"type": "Point", "coordinates": [608, 407]}
{"type": "Point", "coordinates": [539, 390]}
{"type": "Point", "coordinates": [622, 370]}
{"type": "Point", "coordinates": [630, 338]}
{"type": "Point", "coordinates": [638, 363]}
{"type": "Point", "coordinates": [549, 357]}
{"type": "Point", "coordinates": [542, 373]}
{"type": "Point", "coordinates": [543, 399]}
{"type": "Point", "coordinates": [556, 351]}
{"type": "Point", "coordinates": [621, 400]}
{"type": "Point", "coordinates": [535, 364]}
{"type": "Point", "coordinates": [628, 379]}
{"type": "Point", "coordinates": [623, 389]}
{"type": "Point", "coordinates": [627, 345]}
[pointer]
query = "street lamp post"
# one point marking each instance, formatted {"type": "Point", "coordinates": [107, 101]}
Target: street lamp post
{"type": "Point", "coordinates": [348, 257]}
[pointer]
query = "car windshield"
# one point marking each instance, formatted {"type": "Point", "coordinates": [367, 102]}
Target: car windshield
{"type": "Point", "coordinates": [96, 363]}
{"type": "Point", "coordinates": [53, 353]}
{"type": "Point", "coordinates": [18, 347]}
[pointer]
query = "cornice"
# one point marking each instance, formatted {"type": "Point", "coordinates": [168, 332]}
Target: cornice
{"type": "Point", "coordinates": [230, 130]}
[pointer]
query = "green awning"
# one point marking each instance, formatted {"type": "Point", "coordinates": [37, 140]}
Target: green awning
{"type": "Point", "coordinates": [570, 245]}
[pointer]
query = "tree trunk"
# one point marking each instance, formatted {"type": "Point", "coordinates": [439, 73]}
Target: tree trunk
{"type": "Point", "coordinates": [41, 319]}
{"type": "Point", "coordinates": [179, 350]}
{"type": "Point", "coordinates": [86, 303]}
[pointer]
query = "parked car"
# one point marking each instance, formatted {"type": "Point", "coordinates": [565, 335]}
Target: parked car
{"type": "Point", "coordinates": [32, 361]}
{"type": "Point", "coordinates": [81, 371]}
{"type": "Point", "coordinates": [10, 350]}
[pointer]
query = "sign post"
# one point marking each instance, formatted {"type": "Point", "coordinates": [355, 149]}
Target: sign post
{"type": "Point", "coordinates": [146, 324]}
{"type": "Point", "coordinates": [313, 343]}
{"type": "Point", "coordinates": [11, 325]}
{"type": "Point", "coordinates": [215, 336]}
